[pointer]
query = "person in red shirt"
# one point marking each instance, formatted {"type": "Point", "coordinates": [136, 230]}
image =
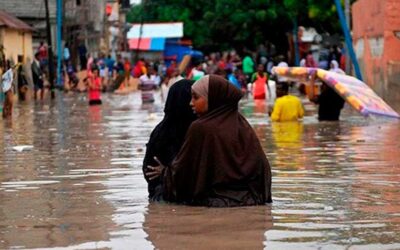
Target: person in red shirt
{"type": "Point", "coordinates": [95, 88]}
{"type": "Point", "coordinates": [310, 62]}
{"type": "Point", "coordinates": [171, 68]}
{"type": "Point", "coordinates": [42, 52]}
{"type": "Point", "coordinates": [138, 69]}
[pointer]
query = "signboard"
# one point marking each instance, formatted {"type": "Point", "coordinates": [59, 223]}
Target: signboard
{"type": "Point", "coordinates": [156, 30]}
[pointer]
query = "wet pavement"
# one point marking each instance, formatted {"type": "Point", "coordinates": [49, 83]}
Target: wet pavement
{"type": "Point", "coordinates": [335, 185]}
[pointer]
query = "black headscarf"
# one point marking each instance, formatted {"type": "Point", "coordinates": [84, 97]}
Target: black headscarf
{"type": "Point", "coordinates": [221, 162]}
{"type": "Point", "coordinates": [167, 137]}
{"type": "Point", "coordinates": [330, 104]}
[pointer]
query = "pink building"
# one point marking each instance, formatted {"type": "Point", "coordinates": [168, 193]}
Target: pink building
{"type": "Point", "coordinates": [376, 37]}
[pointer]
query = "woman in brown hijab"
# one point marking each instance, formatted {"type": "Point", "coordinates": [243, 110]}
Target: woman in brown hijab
{"type": "Point", "coordinates": [221, 162]}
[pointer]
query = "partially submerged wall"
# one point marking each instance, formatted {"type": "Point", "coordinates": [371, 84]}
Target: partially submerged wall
{"type": "Point", "coordinates": [376, 37]}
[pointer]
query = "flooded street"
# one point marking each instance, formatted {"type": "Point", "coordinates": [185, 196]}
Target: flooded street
{"type": "Point", "coordinates": [335, 185]}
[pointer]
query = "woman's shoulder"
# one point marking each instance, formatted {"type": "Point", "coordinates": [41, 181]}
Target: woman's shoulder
{"type": "Point", "coordinates": [201, 127]}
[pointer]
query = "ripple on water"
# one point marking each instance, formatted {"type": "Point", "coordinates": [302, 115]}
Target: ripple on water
{"type": "Point", "coordinates": [335, 185]}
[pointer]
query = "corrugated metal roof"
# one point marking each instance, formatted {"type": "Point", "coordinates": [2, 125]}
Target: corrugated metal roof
{"type": "Point", "coordinates": [12, 22]}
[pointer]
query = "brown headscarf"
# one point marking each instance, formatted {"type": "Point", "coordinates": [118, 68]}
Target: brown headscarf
{"type": "Point", "coordinates": [201, 86]}
{"type": "Point", "coordinates": [221, 162]}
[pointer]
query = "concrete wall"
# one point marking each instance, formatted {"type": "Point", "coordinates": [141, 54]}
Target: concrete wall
{"type": "Point", "coordinates": [16, 43]}
{"type": "Point", "coordinates": [377, 47]}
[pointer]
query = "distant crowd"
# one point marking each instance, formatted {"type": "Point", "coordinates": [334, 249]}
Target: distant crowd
{"type": "Point", "coordinates": [250, 72]}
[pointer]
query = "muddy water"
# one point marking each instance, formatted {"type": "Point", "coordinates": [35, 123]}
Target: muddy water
{"type": "Point", "coordinates": [335, 185]}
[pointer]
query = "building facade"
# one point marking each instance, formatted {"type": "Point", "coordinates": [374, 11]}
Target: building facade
{"type": "Point", "coordinates": [33, 12]}
{"type": "Point", "coordinates": [376, 37]}
{"type": "Point", "coordinates": [84, 22]}
{"type": "Point", "coordinates": [15, 37]}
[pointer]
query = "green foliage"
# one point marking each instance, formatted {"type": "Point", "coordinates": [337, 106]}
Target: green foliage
{"type": "Point", "coordinates": [221, 24]}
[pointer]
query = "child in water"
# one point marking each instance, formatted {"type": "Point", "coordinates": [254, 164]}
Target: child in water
{"type": "Point", "coordinates": [95, 88]}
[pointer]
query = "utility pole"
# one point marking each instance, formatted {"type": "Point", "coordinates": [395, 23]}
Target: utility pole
{"type": "Point", "coordinates": [59, 37]}
{"type": "Point", "coordinates": [49, 50]}
{"type": "Point", "coordinates": [296, 43]}
{"type": "Point", "coordinates": [348, 39]}
{"type": "Point", "coordinates": [347, 14]}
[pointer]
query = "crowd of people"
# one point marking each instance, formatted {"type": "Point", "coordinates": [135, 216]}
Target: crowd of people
{"type": "Point", "coordinates": [203, 152]}
{"type": "Point", "coordinates": [215, 159]}
{"type": "Point", "coordinates": [250, 72]}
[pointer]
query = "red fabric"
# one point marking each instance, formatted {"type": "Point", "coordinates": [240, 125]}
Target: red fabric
{"type": "Point", "coordinates": [259, 87]}
{"type": "Point", "coordinates": [221, 64]}
{"type": "Point", "coordinates": [42, 52]}
{"type": "Point", "coordinates": [171, 70]}
{"type": "Point", "coordinates": [137, 70]}
{"type": "Point", "coordinates": [343, 62]}
{"type": "Point", "coordinates": [310, 62]}
{"type": "Point", "coordinates": [303, 48]}
{"type": "Point", "coordinates": [127, 66]}
{"type": "Point", "coordinates": [94, 90]}
{"type": "Point", "coordinates": [108, 9]}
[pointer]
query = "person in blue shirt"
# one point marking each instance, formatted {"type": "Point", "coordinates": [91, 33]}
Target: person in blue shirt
{"type": "Point", "coordinates": [110, 65]}
{"type": "Point", "coordinates": [232, 78]}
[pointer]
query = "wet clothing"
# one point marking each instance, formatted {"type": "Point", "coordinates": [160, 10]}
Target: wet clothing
{"type": "Point", "coordinates": [221, 162]}
{"type": "Point", "coordinates": [147, 85]}
{"type": "Point", "coordinates": [95, 102]}
{"type": "Point", "coordinates": [22, 82]}
{"type": "Point", "coordinates": [287, 108]}
{"type": "Point", "coordinates": [167, 137]}
{"type": "Point", "coordinates": [127, 69]}
{"type": "Point", "coordinates": [82, 56]}
{"type": "Point", "coordinates": [110, 66]}
{"type": "Point", "coordinates": [330, 104]}
{"type": "Point", "coordinates": [259, 84]}
{"type": "Point", "coordinates": [95, 90]}
{"type": "Point", "coordinates": [37, 75]}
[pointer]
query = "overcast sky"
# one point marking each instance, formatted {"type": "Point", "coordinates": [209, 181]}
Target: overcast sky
{"type": "Point", "coordinates": [135, 1]}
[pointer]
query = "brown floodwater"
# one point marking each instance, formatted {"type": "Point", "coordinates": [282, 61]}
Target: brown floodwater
{"type": "Point", "coordinates": [335, 185]}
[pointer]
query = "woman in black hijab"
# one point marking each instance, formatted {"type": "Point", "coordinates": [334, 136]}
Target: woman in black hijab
{"type": "Point", "coordinates": [221, 162]}
{"type": "Point", "coordinates": [167, 137]}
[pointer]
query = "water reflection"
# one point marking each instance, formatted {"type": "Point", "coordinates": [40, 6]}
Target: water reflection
{"type": "Point", "coordinates": [182, 227]}
{"type": "Point", "coordinates": [288, 142]}
{"type": "Point", "coordinates": [335, 184]}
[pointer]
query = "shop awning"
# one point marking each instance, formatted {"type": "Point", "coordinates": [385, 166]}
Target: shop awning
{"type": "Point", "coordinates": [152, 44]}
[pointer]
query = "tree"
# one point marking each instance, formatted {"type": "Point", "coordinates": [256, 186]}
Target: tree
{"type": "Point", "coordinates": [223, 24]}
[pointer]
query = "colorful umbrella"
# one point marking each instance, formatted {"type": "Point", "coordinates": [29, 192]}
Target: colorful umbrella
{"type": "Point", "coordinates": [358, 94]}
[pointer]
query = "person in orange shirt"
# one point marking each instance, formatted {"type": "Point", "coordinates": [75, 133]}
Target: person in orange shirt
{"type": "Point", "coordinates": [127, 70]}
{"type": "Point", "coordinates": [287, 107]}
